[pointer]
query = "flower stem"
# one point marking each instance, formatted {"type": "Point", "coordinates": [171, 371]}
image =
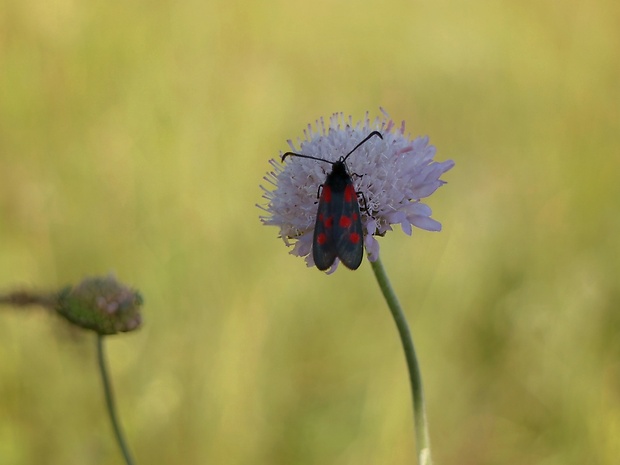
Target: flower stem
{"type": "Point", "coordinates": [419, 411]}
{"type": "Point", "coordinates": [109, 399]}
{"type": "Point", "coordinates": [27, 298]}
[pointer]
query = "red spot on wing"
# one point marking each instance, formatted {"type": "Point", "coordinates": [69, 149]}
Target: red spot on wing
{"type": "Point", "coordinates": [321, 238]}
{"type": "Point", "coordinates": [326, 194]}
{"type": "Point", "coordinates": [345, 222]}
{"type": "Point", "coordinates": [327, 222]}
{"type": "Point", "coordinates": [354, 238]}
{"type": "Point", "coordinates": [349, 193]}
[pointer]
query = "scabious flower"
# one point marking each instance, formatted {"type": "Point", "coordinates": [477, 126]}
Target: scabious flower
{"type": "Point", "coordinates": [393, 174]}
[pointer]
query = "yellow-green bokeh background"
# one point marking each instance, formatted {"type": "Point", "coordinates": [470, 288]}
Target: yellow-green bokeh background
{"type": "Point", "coordinates": [133, 138]}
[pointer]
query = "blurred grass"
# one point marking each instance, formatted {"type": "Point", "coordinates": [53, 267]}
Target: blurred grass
{"type": "Point", "coordinates": [133, 137]}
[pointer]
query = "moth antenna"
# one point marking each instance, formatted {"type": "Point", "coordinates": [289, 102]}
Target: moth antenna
{"type": "Point", "coordinates": [293, 154]}
{"type": "Point", "coordinates": [372, 134]}
{"type": "Point", "coordinates": [301, 155]}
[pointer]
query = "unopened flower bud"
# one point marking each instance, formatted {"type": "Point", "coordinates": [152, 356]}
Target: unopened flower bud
{"type": "Point", "coordinates": [101, 304]}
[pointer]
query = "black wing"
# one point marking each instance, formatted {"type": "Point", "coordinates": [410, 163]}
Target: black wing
{"type": "Point", "coordinates": [323, 245]}
{"type": "Point", "coordinates": [348, 229]}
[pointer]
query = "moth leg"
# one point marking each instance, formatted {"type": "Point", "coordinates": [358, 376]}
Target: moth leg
{"type": "Point", "coordinates": [361, 196]}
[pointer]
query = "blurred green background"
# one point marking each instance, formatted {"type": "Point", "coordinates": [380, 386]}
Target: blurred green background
{"type": "Point", "coordinates": [133, 139]}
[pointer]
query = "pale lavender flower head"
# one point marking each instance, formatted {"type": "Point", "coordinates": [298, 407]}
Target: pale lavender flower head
{"type": "Point", "coordinates": [393, 174]}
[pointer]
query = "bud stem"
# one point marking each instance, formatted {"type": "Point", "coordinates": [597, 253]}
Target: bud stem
{"type": "Point", "coordinates": [109, 399]}
{"type": "Point", "coordinates": [26, 298]}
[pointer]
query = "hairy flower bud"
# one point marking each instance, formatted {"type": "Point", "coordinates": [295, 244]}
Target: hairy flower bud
{"type": "Point", "coordinates": [101, 304]}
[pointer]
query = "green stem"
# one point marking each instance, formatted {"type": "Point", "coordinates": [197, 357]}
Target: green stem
{"type": "Point", "coordinates": [109, 399]}
{"type": "Point", "coordinates": [419, 411]}
{"type": "Point", "coordinates": [27, 298]}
